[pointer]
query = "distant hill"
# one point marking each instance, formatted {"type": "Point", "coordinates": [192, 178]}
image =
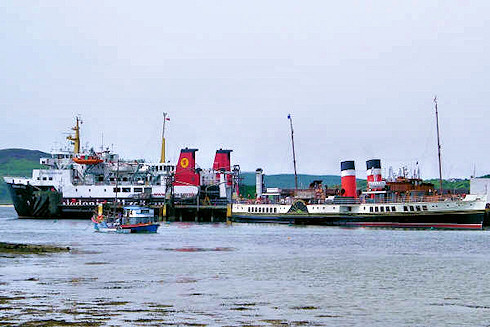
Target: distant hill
{"type": "Point", "coordinates": [455, 185]}
{"type": "Point", "coordinates": [287, 180]}
{"type": "Point", "coordinates": [333, 181]}
{"type": "Point", "coordinates": [18, 154]}
{"type": "Point", "coordinates": [17, 162]}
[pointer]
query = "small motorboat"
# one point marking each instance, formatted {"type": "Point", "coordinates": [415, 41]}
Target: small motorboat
{"type": "Point", "coordinates": [131, 219]}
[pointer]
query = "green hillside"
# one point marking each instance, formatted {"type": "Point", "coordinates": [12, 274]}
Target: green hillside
{"type": "Point", "coordinates": [454, 185]}
{"type": "Point", "coordinates": [17, 162]}
{"type": "Point", "coordinates": [332, 181]}
{"type": "Point", "coordinates": [287, 180]}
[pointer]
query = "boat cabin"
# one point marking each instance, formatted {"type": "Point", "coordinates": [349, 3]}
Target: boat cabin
{"type": "Point", "coordinates": [138, 214]}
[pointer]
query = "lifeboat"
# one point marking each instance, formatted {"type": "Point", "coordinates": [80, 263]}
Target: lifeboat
{"type": "Point", "coordinates": [87, 160]}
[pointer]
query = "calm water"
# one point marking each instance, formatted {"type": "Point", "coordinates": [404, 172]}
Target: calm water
{"type": "Point", "coordinates": [245, 275]}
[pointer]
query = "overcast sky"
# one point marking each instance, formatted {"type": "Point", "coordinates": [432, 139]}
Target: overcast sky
{"type": "Point", "coordinates": [358, 77]}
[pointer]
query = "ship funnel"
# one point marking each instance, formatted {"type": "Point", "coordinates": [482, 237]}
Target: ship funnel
{"type": "Point", "coordinates": [348, 178]}
{"type": "Point", "coordinates": [222, 162]}
{"type": "Point", "coordinates": [374, 178]}
{"type": "Point", "coordinates": [185, 172]}
{"type": "Point", "coordinates": [259, 182]}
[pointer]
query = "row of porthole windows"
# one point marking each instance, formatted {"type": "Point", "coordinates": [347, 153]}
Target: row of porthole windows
{"type": "Point", "coordinates": [382, 209]}
{"type": "Point", "coordinates": [124, 179]}
{"type": "Point", "coordinates": [393, 208]}
{"type": "Point", "coordinates": [321, 208]}
{"type": "Point", "coordinates": [45, 178]}
{"type": "Point", "coordinates": [415, 208]}
{"type": "Point", "coordinates": [124, 189]}
{"type": "Point", "coordinates": [262, 210]}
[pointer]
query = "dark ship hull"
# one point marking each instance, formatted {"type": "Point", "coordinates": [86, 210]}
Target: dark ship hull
{"type": "Point", "coordinates": [34, 202]}
{"type": "Point", "coordinates": [473, 220]}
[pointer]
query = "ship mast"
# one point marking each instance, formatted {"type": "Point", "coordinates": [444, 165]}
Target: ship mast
{"type": "Point", "coordinates": [294, 155]}
{"type": "Point", "coordinates": [76, 139]}
{"type": "Point", "coordinates": [438, 146]}
{"type": "Point", "coordinates": [162, 157]}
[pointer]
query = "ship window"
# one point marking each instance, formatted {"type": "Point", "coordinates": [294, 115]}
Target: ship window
{"type": "Point", "coordinates": [375, 209]}
{"type": "Point", "coordinates": [424, 208]}
{"type": "Point", "coordinates": [138, 190]}
{"type": "Point", "coordinates": [111, 179]}
{"type": "Point", "coordinates": [89, 190]}
{"type": "Point", "coordinates": [38, 178]}
{"type": "Point", "coordinates": [101, 178]}
{"type": "Point", "coordinates": [76, 190]}
{"type": "Point", "coordinates": [418, 208]}
{"type": "Point", "coordinates": [248, 209]}
{"type": "Point", "coordinates": [382, 209]}
{"type": "Point", "coordinates": [44, 178]}
{"type": "Point", "coordinates": [387, 209]}
{"type": "Point", "coordinates": [51, 178]}
{"type": "Point", "coordinates": [411, 208]}
{"type": "Point", "coordinates": [405, 208]}
{"type": "Point", "coordinates": [275, 210]}
{"type": "Point", "coordinates": [393, 209]}
{"type": "Point", "coordinates": [145, 211]}
{"type": "Point", "coordinates": [126, 189]}
{"type": "Point", "coordinates": [125, 179]}
{"type": "Point", "coordinates": [148, 190]}
{"type": "Point", "coordinates": [105, 190]}
{"type": "Point", "coordinates": [117, 189]}
{"type": "Point", "coordinates": [371, 209]}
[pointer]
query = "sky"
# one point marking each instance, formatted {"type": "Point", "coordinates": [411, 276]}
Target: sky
{"type": "Point", "coordinates": [357, 77]}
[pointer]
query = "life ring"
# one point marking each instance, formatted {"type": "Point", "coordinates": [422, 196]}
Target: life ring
{"type": "Point", "coordinates": [97, 219]}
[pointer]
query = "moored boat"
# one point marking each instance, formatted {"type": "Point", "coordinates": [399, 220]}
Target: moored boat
{"type": "Point", "coordinates": [423, 213]}
{"type": "Point", "coordinates": [390, 203]}
{"type": "Point", "coordinates": [128, 219]}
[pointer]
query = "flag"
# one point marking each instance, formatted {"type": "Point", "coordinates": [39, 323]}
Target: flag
{"type": "Point", "coordinates": [166, 118]}
{"type": "Point", "coordinates": [289, 116]}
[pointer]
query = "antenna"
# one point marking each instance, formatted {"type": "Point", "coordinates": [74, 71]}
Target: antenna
{"type": "Point", "coordinates": [162, 156]}
{"type": "Point", "coordinates": [294, 155]}
{"type": "Point", "coordinates": [438, 145]}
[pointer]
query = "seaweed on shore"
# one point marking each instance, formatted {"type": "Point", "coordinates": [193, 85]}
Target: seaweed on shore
{"type": "Point", "coordinates": [18, 248]}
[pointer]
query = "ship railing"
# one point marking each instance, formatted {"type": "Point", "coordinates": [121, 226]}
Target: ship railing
{"type": "Point", "coordinates": [365, 200]}
{"type": "Point", "coordinates": [405, 199]}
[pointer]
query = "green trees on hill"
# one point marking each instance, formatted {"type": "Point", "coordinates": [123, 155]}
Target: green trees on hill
{"type": "Point", "coordinates": [332, 181]}
{"type": "Point", "coordinates": [17, 162]}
